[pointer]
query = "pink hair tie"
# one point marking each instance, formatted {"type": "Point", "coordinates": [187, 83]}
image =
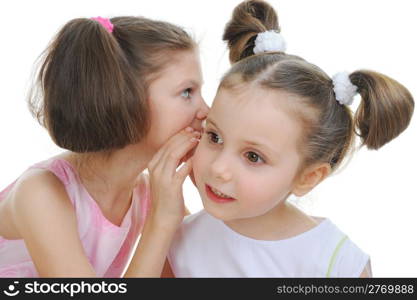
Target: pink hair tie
{"type": "Point", "coordinates": [105, 23]}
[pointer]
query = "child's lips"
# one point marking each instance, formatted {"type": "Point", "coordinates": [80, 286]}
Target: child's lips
{"type": "Point", "coordinates": [216, 198]}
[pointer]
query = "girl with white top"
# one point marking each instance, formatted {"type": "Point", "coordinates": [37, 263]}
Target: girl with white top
{"type": "Point", "coordinates": [278, 126]}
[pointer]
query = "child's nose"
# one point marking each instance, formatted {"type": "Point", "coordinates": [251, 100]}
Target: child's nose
{"type": "Point", "coordinates": [201, 115]}
{"type": "Point", "coordinates": [220, 169]}
{"type": "Point", "coordinates": [203, 110]}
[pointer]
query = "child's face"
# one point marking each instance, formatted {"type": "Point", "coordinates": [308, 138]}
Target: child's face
{"type": "Point", "coordinates": [248, 152]}
{"type": "Point", "coordinates": [175, 99]}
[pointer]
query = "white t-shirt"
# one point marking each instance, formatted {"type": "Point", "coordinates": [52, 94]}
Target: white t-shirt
{"type": "Point", "coordinates": [206, 247]}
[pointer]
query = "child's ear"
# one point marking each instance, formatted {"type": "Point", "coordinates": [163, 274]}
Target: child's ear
{"type": "Point", "coordinates": [310, 177]}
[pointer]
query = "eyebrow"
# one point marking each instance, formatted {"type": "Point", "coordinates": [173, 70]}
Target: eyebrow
{"type": "Point", "coordinates": [191, 82]}
{"type": "Point", "coordinates": [212, 122]}
{"type": "Point", "coordinates": [251, 143]}
{"type": "Point", "coordinates": [266, 148]}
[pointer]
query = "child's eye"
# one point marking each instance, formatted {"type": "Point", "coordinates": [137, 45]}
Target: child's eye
{"type": "Point", "coordinates": [214, 138]}
{"type": "Point", "coordinates": [186, 93]}
{"type": "Point", "coordinates": [254, 157]}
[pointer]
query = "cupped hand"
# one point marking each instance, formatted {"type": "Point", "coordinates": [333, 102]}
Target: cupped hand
{"type": "Point", "coordinates": [166, 179]}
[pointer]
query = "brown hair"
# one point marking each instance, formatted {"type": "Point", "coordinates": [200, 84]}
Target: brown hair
{"type": "Point", "coordinates": [385, 110]}
{"type": "Point", "coordinates": [91, 88]}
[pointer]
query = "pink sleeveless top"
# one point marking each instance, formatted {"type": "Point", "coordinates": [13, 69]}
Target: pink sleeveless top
{"type": "Point", "coordinates": [107, 246]}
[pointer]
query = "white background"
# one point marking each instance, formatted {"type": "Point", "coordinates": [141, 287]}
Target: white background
{"type": "Point", "coordinates": [373, 200]}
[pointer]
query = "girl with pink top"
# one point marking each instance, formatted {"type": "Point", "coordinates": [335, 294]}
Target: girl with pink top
{"type": "Point", "coordinates": [114, 93]}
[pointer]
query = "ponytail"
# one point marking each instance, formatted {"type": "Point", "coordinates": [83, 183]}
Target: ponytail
{"type": "Point", "coordinates": [385, 110]}
{"type": "Point", "coordinates": [249, 18]}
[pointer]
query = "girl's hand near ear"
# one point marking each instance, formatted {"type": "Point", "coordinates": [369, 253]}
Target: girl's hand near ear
{"type": "Point", "coordinates": [167, 204]}
{"type": "Point", "coordinates": [166, 181]}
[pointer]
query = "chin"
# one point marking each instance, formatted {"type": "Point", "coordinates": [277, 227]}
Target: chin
{"type": "Point", "coordinates": [217, 213]}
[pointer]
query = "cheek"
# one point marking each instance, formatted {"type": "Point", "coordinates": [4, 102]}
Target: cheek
{"type": "Point", "coordinates": [264, 190]}
{"type": "Point", "coordinates": [167, 122]}
{"type": "Point", "coordinates": [201, 160]}
{"type": "Point", "coordinates": [180, 117]}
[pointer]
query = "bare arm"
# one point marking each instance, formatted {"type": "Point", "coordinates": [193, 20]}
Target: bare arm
{"type": "Point", "coordinates": [46, 220]}
{"type": "Point", "coordinates": [367, 272]}
{"type": "Point", "coordinates": [167, 210]}
{"type": "Point", "coordinates": [150, 255]}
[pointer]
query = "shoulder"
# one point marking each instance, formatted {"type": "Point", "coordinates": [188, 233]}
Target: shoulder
{"type": "Point", "coordinates": [189, 240]}
{"type": "Point", "coordinates": [347, 259]}
{"type": "Point", "coordinates": [351, 261]}
{"type": "Point", "coordinates": [46, 220]}
{"type": "Point", "coordinates": [198, 221]}
{"type": "Point", "coordinates": [38, 184]}
{"type": "Point", "coordinates": [367, 271]}
{"type": "Point", "coordinates": [194, 230]}
{"type": "Point", "coordinates": [192, 227]}
{"type": "Point", "coordinates": [38, 193]}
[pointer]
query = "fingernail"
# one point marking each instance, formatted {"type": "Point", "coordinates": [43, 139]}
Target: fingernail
{"type": "Point", "coordinates": [189, 129]}
{"type": "Point", "coordinates": [194, 140]}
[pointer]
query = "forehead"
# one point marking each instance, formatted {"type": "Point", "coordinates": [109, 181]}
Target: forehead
{"type": "Point", "coordinates": [256, 114]}
{"type": "Point", "coordinates": [182, 63]}
{"type": "Point", "coordinates": [180, 68]}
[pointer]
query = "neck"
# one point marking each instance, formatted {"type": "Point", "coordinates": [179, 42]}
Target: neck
{"type": "Point", "coordinates": [111, 178]}
{"type": "Point", "coordinates": [281, 222]}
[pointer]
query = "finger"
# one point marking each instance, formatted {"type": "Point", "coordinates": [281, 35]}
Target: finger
{"type": "Point", "coordinates": [179, 137]}
{"type": "Point", "coordinates": [176, 142]}
{"type": "Point", "coordinates": [172, 160]}
{"type": "Point", "coordinates": [183, 172]}
{"type": "Point", "coordinates": [175, 153]}
{"type": "Point", "coordinates": [189, 154]}
{"type": "Point", "coordinates": [176, 139]}
{"type": "Point", "coordinates": [157, 157]}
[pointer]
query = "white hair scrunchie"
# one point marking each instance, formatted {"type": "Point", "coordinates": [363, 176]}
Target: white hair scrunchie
{"type": "Point", "coordinates": [343, 88]}
{"type": "Point", "coordinates": [269, 41]}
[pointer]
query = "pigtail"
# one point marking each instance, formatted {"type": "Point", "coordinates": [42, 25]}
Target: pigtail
{"type": "Point", "coordinates": [248, 19]}
{"type": "Point", "coordinates": [85, 79]}
{"type": "Point", "coordinates": [385, 110]}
